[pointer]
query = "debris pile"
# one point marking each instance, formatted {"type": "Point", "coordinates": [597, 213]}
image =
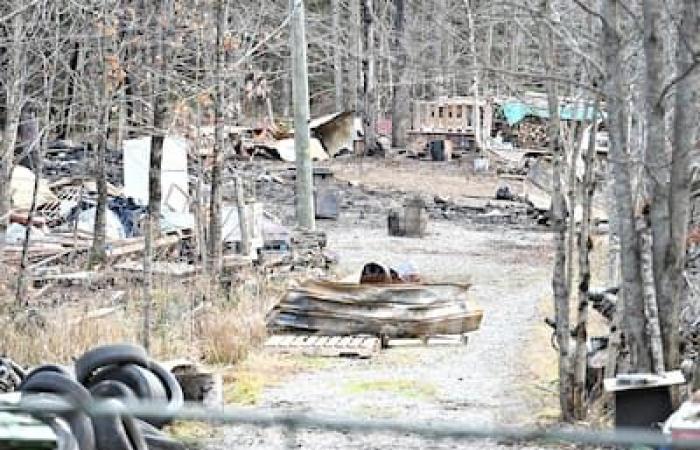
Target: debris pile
{"type": "Point", "coordinates": [404, 310]}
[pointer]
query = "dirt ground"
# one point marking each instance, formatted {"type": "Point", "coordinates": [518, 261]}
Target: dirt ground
{"type": "Point", "coordinates": [504, 375]}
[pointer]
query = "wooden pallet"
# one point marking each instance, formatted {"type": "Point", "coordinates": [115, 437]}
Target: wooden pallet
{"type": "Point", "coordinates": [331, 346]}
{"type": "Point", "coordinates": [430, 341]}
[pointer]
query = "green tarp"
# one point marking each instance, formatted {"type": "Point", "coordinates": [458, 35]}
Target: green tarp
{"type": "Point", "coordinates": [515, 112]}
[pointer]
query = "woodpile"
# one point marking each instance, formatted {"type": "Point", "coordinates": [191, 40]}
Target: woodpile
{"type": "Point", "coordinates": [390, 310]}
{"type": "Point", "coordinates": [308, 249]}
{"type": "Point", "coordinates": [532, 133]}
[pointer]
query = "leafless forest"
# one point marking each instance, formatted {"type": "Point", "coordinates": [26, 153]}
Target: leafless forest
{"type": "Point", "coordinates": [83, 80]}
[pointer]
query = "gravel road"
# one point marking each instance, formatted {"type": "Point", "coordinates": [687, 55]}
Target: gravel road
{"type": "Point", "coordinates": [480, 383]}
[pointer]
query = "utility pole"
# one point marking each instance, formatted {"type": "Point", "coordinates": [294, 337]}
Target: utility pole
{"type": "Point", "coordinates": [300, 98]}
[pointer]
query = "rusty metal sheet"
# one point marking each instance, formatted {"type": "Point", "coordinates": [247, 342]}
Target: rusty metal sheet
{"type": "Point", "coordinates": [395, 310]}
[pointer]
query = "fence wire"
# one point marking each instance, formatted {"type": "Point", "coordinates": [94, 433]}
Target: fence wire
{"type": "Point", "coordinates": [292, 422]}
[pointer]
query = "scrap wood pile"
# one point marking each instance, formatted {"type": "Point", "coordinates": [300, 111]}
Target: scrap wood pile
{"type": "Point", "coordinates": [391, 310]}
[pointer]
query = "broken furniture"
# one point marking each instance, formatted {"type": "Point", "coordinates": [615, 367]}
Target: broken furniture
{"type": "Point", "coordinates": [643, 400]}
{"type": "Point", "coordinates": [392, 310]}
{"type": "Point", "coordinates": [410, 221]}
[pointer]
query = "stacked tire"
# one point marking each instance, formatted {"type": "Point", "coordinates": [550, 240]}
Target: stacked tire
{"type": "Point", "coordinates": [115, 374]}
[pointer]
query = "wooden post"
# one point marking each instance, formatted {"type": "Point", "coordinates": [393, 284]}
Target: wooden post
{"type": "Point", "coordinates": [243, 218]}
{"type": "Point", "coordinates": [300, 98]}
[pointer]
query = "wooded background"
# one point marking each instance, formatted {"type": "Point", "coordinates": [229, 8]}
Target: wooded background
{"type": "Point", "coordinates": [102, 71]}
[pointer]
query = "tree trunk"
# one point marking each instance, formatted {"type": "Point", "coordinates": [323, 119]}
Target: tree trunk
{"type": "Point", "coordinates": [634, 323]}
{"type": "Point", "coordinates": [20, 295]}
{"type": "Point", "coordinates": [400, 110]}
{"type": "Point", "coordinates": [685, 135]}
{"type": "Point", "coordinates": [159, 97]}
{"type": "Point", "coordinates": [369, 107]}
{"type": "Point", "coordinates": [657, 174]}
{"type": "Point", "coordinates": [584, 270]}
{"type": "Point", "coordinates": [476, 120]}
{"type": "Point", "coordinates": [215, 241]}
{"type": "Point", "coordinates": [651, 308]}
{"type": "Point", "coordinates": [559, 285]}
{"type": "Point", "coordinates": [13, 105]}
{"type": "Point", "coordinates": [97, 255]}
{"type": "Point", "coordinates": [337, 55]}
{"type": "Point", "coordinates": [300, 89]}
{"type": "Point", "coordinates": [243, 219]}
{"type": "Point", "coordinates": [356, 78]}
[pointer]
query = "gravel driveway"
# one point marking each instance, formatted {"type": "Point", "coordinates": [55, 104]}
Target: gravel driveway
{"type": "Point", "coordinates": [478, 383]}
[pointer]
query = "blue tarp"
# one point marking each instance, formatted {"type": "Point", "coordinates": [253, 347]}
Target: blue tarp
{"type": "Point", "coordinates": [516, 111]}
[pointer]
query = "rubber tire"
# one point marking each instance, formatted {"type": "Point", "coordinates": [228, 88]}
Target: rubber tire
{"type": "Point", "coordinates": [156, 439]}
{"type": "Point", "coordinates": [108, 355]}
{"type": "Point", "coordinates": [56, 383]}
{"type": "Point", "coordinates": [118, 390]}
{"type": "Point", "coordinates": [112, 389]}
{"type": "Point", "coordinates": [118, 432]}
{"type": "Point", "coordinates": [64, 435]}
{"type": "Point", "coordinates": [19, 370]}
{"type": "Point", "coordinates": [173, 392]}
{"type": "Point", "coordinates": [144, 384]}
{"type": "Point", "coordinates": [63, 370]}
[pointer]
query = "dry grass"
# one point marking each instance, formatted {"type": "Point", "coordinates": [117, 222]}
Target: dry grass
{"type": "Point", "coordinates": [456, 178]}
{"type": "Point", "coordinates": [219, 331]}
{"type": "Point", "coordinates": [245, 382]}
{"type": "Point", "coordinates": [402, 387]}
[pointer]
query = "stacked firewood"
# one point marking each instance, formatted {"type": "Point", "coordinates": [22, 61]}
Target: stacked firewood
{"type": "Point", "coordinates": [308, 249]}
{"type": "Point", "coordinates": [532, 133]}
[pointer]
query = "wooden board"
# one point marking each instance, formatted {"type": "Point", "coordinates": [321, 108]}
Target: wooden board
{"type": "Point", "coordinates": [430, 341]}
{"type": "Point", "coordinates": [329, 346]}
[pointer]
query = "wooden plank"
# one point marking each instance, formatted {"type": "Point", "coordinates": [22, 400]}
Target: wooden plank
{"type": "Point", "coordinates": [326, 346]}
{"type": "Point", "coordinates": [356, 342]}
{"type": "Point", "coordinates": [334, 340]}
{"type": "Point", "coordinates": [274, 340]}
{"type": "Point", "coordinates": [288, 339]}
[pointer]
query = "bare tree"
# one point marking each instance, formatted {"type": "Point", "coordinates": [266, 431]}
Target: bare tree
{"type": "Point", "coordinates": [400, 114]}
{"type": "Point", "coordinates": [559, 282]}
{"type": "Point", "coordinates": [369, 107]}
{"type": "Point", "coordinates": [13, 80]}
{"type": "Point", "coordinates": [634, 319]}
{"type": "Point", "coordinates": [584, 269]}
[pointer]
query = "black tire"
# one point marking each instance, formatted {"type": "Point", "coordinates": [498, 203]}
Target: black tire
{"type": "Point", "coordinates": [63, 370]}
{"type": "Point", "coordinates": [64, 435]}
{"type": "Point", "coordinates": [81, 427]}
{"type": "Point", "coordinates": [112, 389]}
{"type": "Point", "coordinates": [56, 383]}
{"type": "Point", "coordinates": [133, 376]}
{"type": "Point", "coordinates": [112, 433]}
{"type": "Point", "coordinates": [173, 391]}
{"type": "Point", "coordinates": [156, 439]}
{"type": "Point", "coordinates": [108, 355]}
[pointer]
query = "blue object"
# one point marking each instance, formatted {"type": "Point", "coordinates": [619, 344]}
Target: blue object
{"type": "Point", "coordinates": [515, 112]}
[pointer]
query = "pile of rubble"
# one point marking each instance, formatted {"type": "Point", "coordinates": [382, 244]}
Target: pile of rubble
{"type": "Point", "coordinates": [387, 302]}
